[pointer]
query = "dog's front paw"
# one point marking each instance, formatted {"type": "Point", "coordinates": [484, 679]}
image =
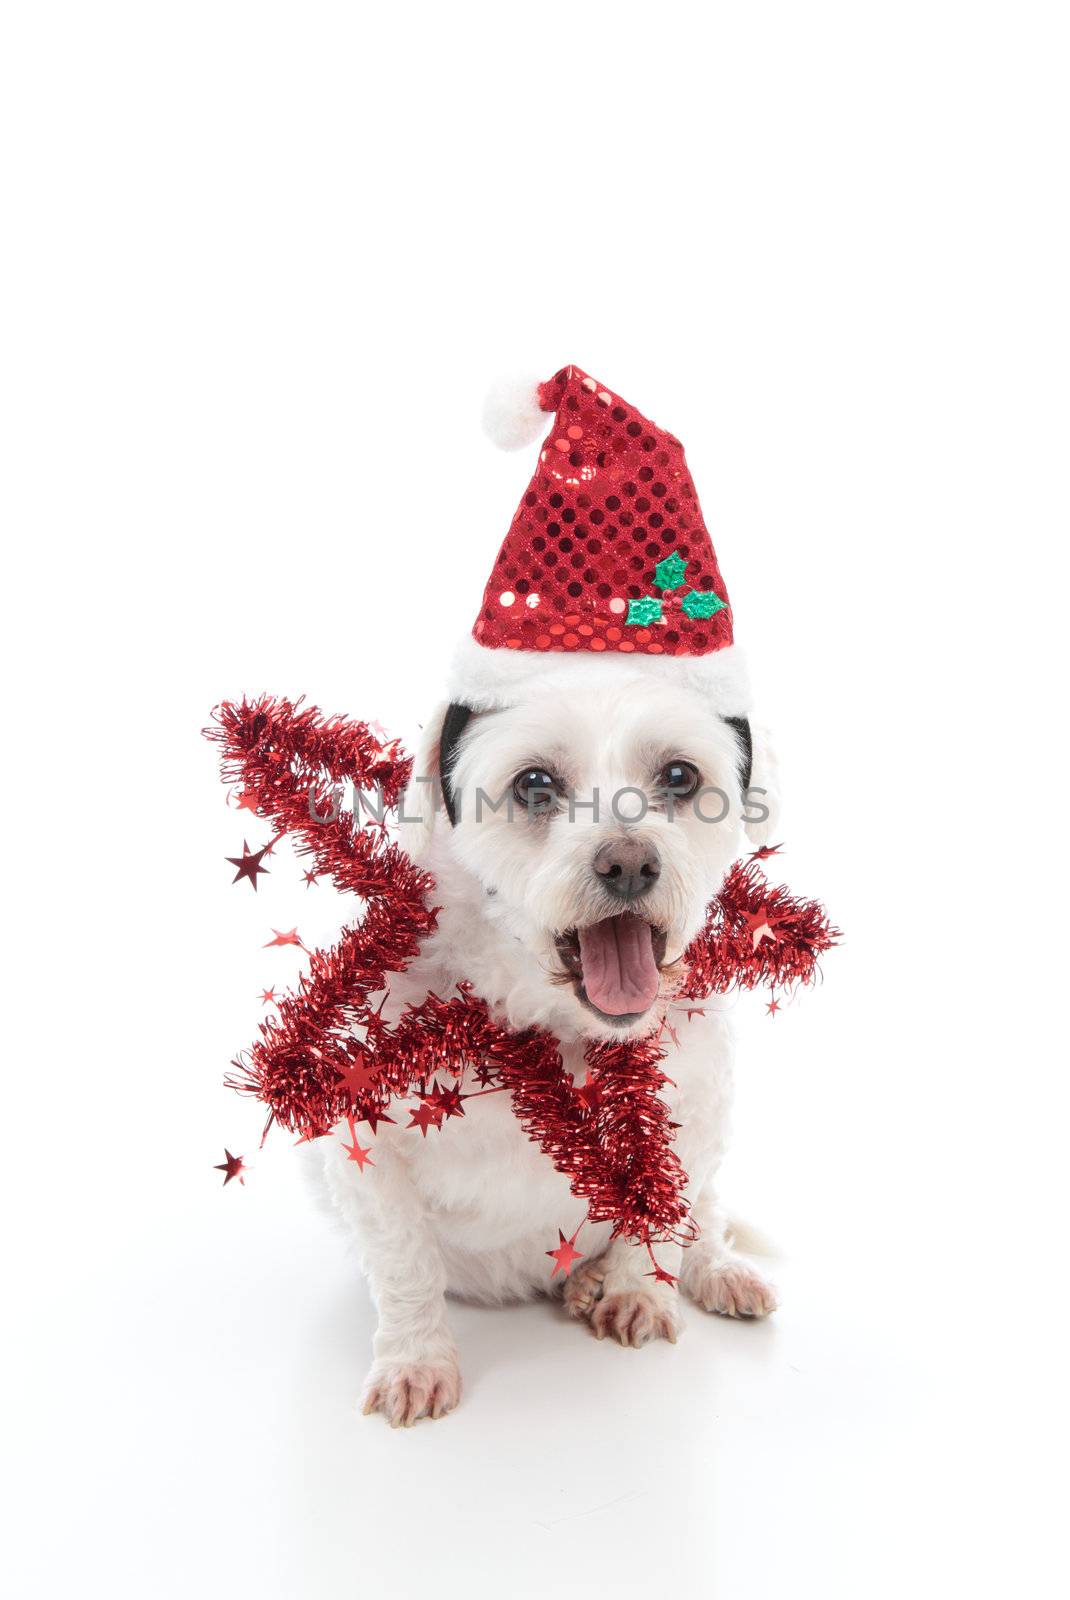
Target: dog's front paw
{"type": "Point", "coordinates": [732, 1289]}
{"type": "Point", "coordinates": [583, 1288]}
{"type": "Point", "coordinates": [407, 1391]}
{"type": "Point", "coordinates": [635, 1316]}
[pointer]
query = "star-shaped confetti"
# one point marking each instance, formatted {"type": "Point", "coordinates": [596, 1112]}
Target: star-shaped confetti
{"type": "Point", "coordinates": [373, 1118]}
{"type": "Point", "coordinates": [669, 574]}
{"type": "Point", "coordinates": [248, 863]}
{"type": "Point", "coordinates": [759, 927]}
{"type": "Point", "coordinates": [644, 611]}
{"type": "Point", "coordinates": [359, 1079]}
{"type": "Point", "coordinates": [248, 800]}
{"type": "Point", "coordinates": [310, 879]}
{"type": "Point", "coordinates": [232, 1167]}
{"type": "Point", "coordinates": [449, 1102]}
{"type": "Point", "coordinates": [424, 1117]}
{"type": "Point", "coordinates": [698, 606]}
{"type": "Point", "coordinates": [289, 937]}
{"type": "Point", "coordinates": [764, 852]}
{"type": "Point", "coordinates": [660, 1275]}
{"type": "Point", "coordinates": [774, 1006]}
{"type": "Point", "coordinates": [566, 1254]}
{"type": "Point", "coordinates": [268, 996]}
{"type": "Point", "coordinates": [356, 1151]}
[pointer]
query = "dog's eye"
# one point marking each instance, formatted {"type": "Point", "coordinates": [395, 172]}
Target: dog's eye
{"type": "Point", "coordinates": [535, 788]}
{"type": "Point", "coordinates": [679, 778]}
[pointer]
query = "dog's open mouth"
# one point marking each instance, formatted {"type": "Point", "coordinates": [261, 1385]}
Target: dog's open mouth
{"type": "Point", "coordinates": [614, 965]}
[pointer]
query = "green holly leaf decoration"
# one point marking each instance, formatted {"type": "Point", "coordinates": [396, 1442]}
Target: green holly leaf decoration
{"type": "Point", "coordinates": [669, 574]}
{"type": "Point", "coordinates": [642, 612]}
{"type": "Point", "coordinates": [699, 606]}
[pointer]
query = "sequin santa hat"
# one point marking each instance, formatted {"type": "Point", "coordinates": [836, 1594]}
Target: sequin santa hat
{"type": "Point", "coordinates": [607, 560]}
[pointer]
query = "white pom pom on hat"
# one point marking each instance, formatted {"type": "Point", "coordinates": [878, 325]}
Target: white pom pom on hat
{"type": "Point", "coordinates": [512, 416]}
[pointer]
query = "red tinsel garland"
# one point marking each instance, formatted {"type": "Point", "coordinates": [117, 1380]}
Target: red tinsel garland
{"type": "Point", "coordinates": [330, 1054]}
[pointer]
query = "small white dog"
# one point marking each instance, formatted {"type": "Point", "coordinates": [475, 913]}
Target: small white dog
{"type": "Point", "coordinates": [589, 798]}
{"type": "Point", "coordinates": [574, 924]}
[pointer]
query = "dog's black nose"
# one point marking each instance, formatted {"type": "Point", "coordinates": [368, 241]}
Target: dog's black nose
{"type": "Point", "coordinates": [628, 867]}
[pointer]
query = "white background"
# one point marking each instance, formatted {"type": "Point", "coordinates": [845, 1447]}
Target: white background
{"type": "Point", "coordinates": [259, 264]}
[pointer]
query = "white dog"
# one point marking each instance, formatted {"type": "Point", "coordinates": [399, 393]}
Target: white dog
{"type": "Point", "coordinates": [571, 919]}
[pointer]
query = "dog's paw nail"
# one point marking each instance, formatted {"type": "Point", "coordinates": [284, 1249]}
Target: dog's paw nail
{"type": "Point", "coordinates": [634, 1317]}
{"type": "Point", "coordinates": [582, 1289]}
{"type": "Point", "coordinates": [732, 1289]}
{"type": "Point", "coordinates": [405, 1392]}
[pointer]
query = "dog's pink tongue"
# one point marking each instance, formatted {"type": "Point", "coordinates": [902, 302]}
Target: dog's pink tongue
{"type": "Point", "coordinates": [620, 974]}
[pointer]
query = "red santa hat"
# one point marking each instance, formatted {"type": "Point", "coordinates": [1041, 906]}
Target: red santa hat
{"type": "Point", "coordinates": [607, 565]}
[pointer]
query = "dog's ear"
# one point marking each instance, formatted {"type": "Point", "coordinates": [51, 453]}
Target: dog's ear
{"type": "Point", "coordinates": [761, 813]}
{"type": "Point", "coordinates": [759, 779]}
{"type": "Point", "coordinates": [430, 788]}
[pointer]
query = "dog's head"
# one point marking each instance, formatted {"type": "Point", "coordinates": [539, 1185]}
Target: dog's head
{"type": "Point", "coordinates": [599, 827]}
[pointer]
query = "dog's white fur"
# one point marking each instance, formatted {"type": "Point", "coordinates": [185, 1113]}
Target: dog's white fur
{"type": "Point", "coordinates": [472, 1209]}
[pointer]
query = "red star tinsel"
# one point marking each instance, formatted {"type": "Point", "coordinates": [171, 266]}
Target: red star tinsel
{"type": "Point", "coordinates": [329, 1054]}
{"type": "Point", "coordinates": [357, 1152]}
{"type": "Point", "coordinates": [566, 1255]}
{"type": "Point", "coordinates": [248, 863]}
{"type": "Point", "coordinates": [232, 1167]}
